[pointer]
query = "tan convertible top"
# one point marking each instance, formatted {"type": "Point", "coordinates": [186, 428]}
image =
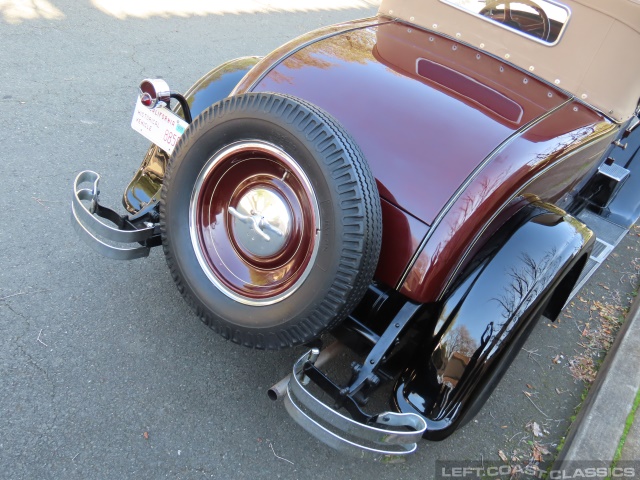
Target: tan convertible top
{"type": "Point", "coordinates": [597, 57]}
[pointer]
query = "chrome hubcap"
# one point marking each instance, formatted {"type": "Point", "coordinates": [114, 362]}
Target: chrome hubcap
{"type": "Point", "coordinates": [262, 222]}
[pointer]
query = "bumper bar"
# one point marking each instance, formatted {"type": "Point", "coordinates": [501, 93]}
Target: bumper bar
{"type": "Point", "coordinates": [90, 228]}
{"type": "Point", "coordinates": [387, 436]}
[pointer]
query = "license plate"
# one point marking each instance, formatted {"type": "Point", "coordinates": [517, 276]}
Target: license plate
{"type": "Point", "coordinates": [159, 125]}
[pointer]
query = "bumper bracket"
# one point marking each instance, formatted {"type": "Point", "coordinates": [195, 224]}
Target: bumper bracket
{"type": "Point", "coordinates": [385, 437]}
{"type": "Point", "coordinates": [92, 230]}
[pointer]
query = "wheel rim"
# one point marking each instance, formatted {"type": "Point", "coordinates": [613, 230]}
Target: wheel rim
{"type": "Point", "coordinates": [254, 223]}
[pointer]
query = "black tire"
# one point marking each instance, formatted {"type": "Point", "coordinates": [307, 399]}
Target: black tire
{"type": "Point", "coordinates": [280, 285]}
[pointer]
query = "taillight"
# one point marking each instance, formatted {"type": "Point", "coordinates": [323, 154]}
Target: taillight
{"type": "Point", "coordinates": [153, 91]}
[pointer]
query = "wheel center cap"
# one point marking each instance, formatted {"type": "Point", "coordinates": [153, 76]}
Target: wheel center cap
{"type": "Point", "coordinates": [261, 222]}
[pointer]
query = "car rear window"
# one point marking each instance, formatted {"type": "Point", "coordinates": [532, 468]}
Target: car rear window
{"type": "Point", "coordinates": [540, 20]}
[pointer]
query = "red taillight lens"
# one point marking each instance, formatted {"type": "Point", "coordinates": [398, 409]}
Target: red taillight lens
{"type": "Point", "coordinates": [146, 99]}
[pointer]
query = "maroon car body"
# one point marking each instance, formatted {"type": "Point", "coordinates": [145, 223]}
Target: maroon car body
{"type": "Point", "coordinates": [488, 103]}
{"type": "Point", "coordinates": [491, 181]}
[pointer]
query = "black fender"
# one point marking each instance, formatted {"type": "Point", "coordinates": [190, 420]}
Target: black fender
{"type": "Point", "coordinates": [527, 268]}
{"type": "Point", "coordinates": [140, 195]}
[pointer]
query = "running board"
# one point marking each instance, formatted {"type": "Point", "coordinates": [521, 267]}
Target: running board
{"type": "Point", "coordinates": [608, 236]}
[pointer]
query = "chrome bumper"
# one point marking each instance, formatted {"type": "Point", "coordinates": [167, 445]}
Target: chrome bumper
{"type": "Point", "coordinates": [94, 232]}
{"type": "Point", "coordinates": [386, 437]}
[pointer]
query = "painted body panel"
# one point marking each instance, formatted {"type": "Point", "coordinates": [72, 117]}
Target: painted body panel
{"type": "Point", "coordinates": [406, 124]}
{"type": "Point", "coordinates": [550, 161]}
{"type": "Point", "coordinates": [401, 236]}
{"type": "Point", "coordinates": [442, 91]}
{"type": "Point", "coordinates": [279, 54]}
{"type": "Point", "coordinates": [218, 84]}
{"type": "Point", "coordinates": [511, 281]}
{"type": "Point", "coordinates": [412, 95]}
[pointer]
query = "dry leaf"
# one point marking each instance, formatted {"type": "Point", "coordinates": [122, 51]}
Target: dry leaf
{"type": "Point", "coordinates": [529, 386]}
{"type": "Point", "coordinates": [536, 455]}
{"type": "Point", "coordinates": [503, 456]}
{"type": "Point", "coordinates": [535, 428]}
{"type": "Point", "coordinates": [539, 451]}
{"type": "Point", "coordinates": [146, 435]}
{"type": "Point", "coordinates": [543, 450]}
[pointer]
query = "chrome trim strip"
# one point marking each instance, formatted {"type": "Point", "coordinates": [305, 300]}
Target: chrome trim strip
{"type": "Point", "coordinates": [458, 193]}
{"type": "Point", "coordinates": [88, 226]}
{"type": "Point", "coordinates": [380, 440]}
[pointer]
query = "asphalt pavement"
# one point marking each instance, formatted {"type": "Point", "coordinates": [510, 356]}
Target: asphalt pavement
{"type": "Point", "coordinates": [104, 370]}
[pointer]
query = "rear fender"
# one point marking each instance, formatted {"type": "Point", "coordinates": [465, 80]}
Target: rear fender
{"type": "Point", "coordinates": [141, 196]}
{"type": "Point", "coordinates": [527, 268]}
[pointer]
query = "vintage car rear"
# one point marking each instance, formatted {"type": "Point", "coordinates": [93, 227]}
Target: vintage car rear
{"type": "Point", "coordinates": [423, 184]}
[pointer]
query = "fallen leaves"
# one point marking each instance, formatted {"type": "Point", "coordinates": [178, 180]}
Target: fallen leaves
{"type": "Point", "coordinates": [538, 451]}
{"type": "Point", "coordinates": [582, 367]}
{"type": "Point", "coordinates": [525, 459]}
{"type": "Point", "coordinates": [598, 335]}
{"type": "Point", "coordinates": [529, 452]}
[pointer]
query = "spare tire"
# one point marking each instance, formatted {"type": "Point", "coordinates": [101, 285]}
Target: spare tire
{"type": "Point", "coordinates": [270, 218]}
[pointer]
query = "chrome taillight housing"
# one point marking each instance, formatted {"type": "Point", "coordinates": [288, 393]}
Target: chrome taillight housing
{"type": "Point", "coordinates": [153, 91]}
